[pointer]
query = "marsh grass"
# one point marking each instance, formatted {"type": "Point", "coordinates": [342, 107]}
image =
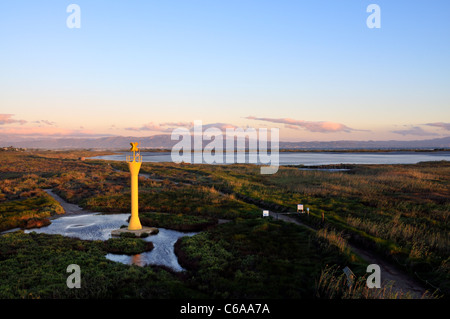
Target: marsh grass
{"type": "Point", "coordinates": [29, 211]}
{"type": "Point", "coordinates": [33, 266]}
{"type": "Point", "coordinates": [333, 284]}
{"type": "Point", "coordinates": [128, 246]}
{"type": "Point", "coordinates": [334, 238]}
{"type": "Point", "coordinates": [399, 210]}
{"type": "Point", "coordinates": [180, 222]}
{"type": "Point", "coordinates": [257, 258]}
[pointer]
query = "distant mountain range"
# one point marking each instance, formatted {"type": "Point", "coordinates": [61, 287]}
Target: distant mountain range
{"type": "Point", "coordinates": [164, 142]}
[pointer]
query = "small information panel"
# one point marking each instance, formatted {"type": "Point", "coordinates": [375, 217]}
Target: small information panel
{"type": "Point", "coordinates": [350, 276]}
{"type": "Point", "coordinates": [265, 213]}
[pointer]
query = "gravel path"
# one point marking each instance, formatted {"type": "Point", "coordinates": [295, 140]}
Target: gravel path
{"type": "Point", "coordinates": [70, 209]}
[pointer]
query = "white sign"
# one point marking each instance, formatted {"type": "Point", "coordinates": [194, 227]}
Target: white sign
{"type": "Point", "coordinates": [265, 213]}
{"type": "Point", "coordinates": [299, 207]}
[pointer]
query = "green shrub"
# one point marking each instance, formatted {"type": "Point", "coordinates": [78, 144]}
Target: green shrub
{"type": "Point", "coordinates": [128, 246]}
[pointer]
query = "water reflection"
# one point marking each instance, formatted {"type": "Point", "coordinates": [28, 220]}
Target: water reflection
{"type": "Point", "coordinates": [136, 260]}
{"type": "Point", "coordinates": [163, 253]}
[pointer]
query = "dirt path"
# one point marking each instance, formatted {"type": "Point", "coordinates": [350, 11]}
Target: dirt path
{"type": "Point", "coordinates": [147, 176]}
{"type": "Point", "coordinates": [401, 282]}
{"type": "Point", "coordinates": [70, 209]}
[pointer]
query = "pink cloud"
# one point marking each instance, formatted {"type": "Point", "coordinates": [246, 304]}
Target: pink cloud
{"type": "Point", "coordinates": [168, 127]}
{"type": "Point", "coordinates": [7, 119]}
{"type": "Point", "coordinates": [319, 126]}
{"type": "Point", "coordinates": [149, 127]}
{"type": "Point", "coordinates": [178, 124]}
{"type": "Point", "coordinates": [220, 126]}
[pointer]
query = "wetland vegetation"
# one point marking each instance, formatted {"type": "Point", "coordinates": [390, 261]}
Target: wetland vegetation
{"type": "Point", "coordinates": [398, 211]}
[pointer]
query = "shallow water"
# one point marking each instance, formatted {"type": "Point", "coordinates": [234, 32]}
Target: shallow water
{"type": "Point", "coordinates": [99, 227]}
{"type": "Point", "coordinates": [162, 254]}
{"type": "Point", "coordinates": [317, 158]}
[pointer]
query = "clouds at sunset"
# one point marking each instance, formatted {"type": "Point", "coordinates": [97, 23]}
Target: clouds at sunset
{"type": "Point", "coordinates": [317, 127]}
{"type": "Point", "coordinates": [19, 126]}
{"type": "Point", "coordinates": [49, 131]}
{"type": "Point", "coordinates": [161, 128]}
{"type": "Point", "coordinates": [315, 77]}
{"type": "Point", "coordinates": [444, 126]}
{"type": "Point", "coordinates": [7, 119]}
{"type": "Point", "coordinates": [44, 122]}
{"type": "Point", "coordinates": [39, 128]}
{"type": "Point", "coordinates": [168, 127]}
{"type": "Point", "coordinates": [414, 130]}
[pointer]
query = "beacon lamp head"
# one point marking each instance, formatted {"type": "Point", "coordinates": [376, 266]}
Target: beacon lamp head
{"type": "Point", "coordinates": [134, 147]}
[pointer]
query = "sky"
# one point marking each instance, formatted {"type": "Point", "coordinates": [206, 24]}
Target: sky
{"type": "Point", "coordinates": [313, 69]}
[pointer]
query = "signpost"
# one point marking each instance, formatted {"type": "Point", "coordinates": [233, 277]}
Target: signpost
{"type": "Point", "coordinates": [299, 208]}
{"type": "Point", "coordinates": [265, 213]}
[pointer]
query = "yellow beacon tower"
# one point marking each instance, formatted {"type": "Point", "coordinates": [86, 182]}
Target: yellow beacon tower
{"type": "Point", "coordinates": [134, 163]}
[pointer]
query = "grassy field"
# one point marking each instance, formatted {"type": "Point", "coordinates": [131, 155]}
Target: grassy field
{"type": "Point", "coordinates": [399, 211]}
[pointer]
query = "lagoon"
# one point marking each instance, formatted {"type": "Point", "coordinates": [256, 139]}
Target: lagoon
{"type": "Point", "coordinates": [96, 226]}
{"type": "Point", "coordinates": [317, 158]}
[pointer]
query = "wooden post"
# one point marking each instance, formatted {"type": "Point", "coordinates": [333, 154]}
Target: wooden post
{"type": "Point", "coordinates": [323, 217]}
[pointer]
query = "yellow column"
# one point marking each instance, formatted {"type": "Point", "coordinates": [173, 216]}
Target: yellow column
{"type": "Point", "coordinates": [135, 223]}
